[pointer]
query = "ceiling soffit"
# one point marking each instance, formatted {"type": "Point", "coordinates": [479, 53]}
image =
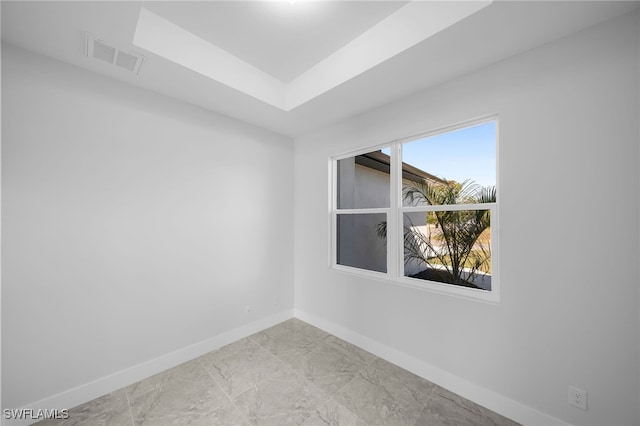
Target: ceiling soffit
{"type": "Point", "coordinates": [405, 27]}
{"type": "Point", "coordinates": [278, 37]}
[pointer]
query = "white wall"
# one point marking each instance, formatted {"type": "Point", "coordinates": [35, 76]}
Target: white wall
{"type": "Point", "coordinates": [133, 226]}
{"type": "Point", "coordinates": [569, 193]}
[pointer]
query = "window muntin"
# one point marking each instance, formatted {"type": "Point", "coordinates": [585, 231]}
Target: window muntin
{"type": "Point", "coordinates": [453, 202]}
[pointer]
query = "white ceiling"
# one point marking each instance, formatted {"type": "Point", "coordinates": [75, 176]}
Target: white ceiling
{"type": "Point", "coordinates": [398, 31]}
{"type": "Point", "coordinates": [288, 43]}
{"type": "Point", "coordinates": [293, 37]}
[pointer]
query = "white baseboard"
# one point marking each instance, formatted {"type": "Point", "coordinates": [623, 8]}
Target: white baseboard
{"type": "Point", "coordinates": [485, 397]}
{"type": "Point", "coordinates": [86, 392]}
{"type": "Point", "coordinates": [499, 403]}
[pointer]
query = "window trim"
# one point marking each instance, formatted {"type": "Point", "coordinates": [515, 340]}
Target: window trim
{"type": "Point", "coordinates": [396, 210]}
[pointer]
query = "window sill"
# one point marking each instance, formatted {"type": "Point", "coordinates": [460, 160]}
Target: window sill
{"type": "Point", "coordinates": [484, 296]}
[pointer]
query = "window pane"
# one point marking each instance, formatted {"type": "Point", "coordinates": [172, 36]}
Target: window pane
{"type": "Point", "coordinates": [450, 168]}
{"type": "Point", "coordinates": [451, 247]}
{"type": "Point", "coordinates": [363, 181]}
{"type": "Point", "coordinates": [361, 241]}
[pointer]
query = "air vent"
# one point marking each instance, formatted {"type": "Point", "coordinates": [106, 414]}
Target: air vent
{"type": "Point", "coordinates": [99, 49]}
{"type": "Point", "coordinates": [103, 51]}
{"type": "Point", "coordinates": [126, 61]}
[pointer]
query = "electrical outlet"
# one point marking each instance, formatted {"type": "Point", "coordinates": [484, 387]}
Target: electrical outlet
{"type": "Point", "coordinates": [247, 309]}
{"type": "Point", "coordinates": [578, 398]}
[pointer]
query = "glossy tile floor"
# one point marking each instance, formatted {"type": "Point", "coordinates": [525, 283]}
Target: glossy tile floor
{"type": "Point", "coordinates": [289, 374]}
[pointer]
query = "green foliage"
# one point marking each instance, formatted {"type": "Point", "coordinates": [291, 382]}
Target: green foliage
{"type": "Point", "coordinates": [461, 242]}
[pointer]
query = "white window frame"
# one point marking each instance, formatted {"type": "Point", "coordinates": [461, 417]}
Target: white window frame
{"type": "Point", "coordinates": [396, 210]}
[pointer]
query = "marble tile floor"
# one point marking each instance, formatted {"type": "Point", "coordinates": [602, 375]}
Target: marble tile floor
{"type": "Point", "coordinates": [289, 374]}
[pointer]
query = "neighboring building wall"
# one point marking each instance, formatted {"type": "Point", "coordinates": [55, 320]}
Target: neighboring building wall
{"type": "Point", "coordinates": [359, 245]}
{"type": "Point", "coordinates": [374, 187]}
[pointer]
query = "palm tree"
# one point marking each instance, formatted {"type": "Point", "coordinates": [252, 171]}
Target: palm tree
{"type": "Point", "coordinates": [461, 245]}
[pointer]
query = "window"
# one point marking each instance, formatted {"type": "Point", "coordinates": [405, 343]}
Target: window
{"type": "Point", "coordinates": [421, 211]}
{"type": "Point", "coordinates": [363, 203]}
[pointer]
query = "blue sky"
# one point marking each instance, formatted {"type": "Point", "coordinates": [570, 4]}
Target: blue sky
{"type": "Point", "coordinates": [468, 153]}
